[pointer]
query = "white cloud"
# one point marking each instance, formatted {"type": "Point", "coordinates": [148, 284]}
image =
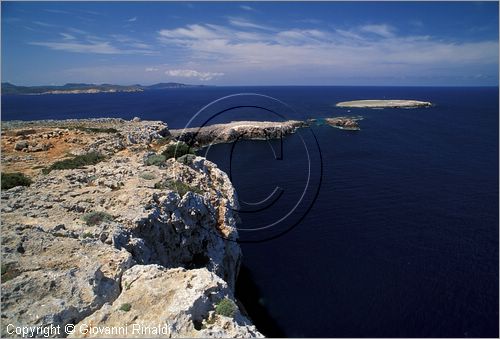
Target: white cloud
{"type": "Point", "coordinates": [382, 30]}
{"type": "Point", "coordinates": [67, 36]}
{"type": "Point", "coordinates": [151, 69]}
{"type": "Point", "coordinates": [82, 42]}
{"type": "Point", "coordinates": [239, 22]}
{"type": "Point", "coordinates": [375, 50]}
{"type": "Point", "coordinates": [76, 47]}
{"type": "Point", "coordinates": [95, 47]}
{"type": "Point", "coordinates": [132, 19]}
{"type": "Point", "coordinates": [189, 73]}
{"type": "Point", "coordinates": [247, 8]}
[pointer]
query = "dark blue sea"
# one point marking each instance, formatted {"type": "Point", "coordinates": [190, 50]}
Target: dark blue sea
{"type": "Point", "coordinates": [390, 231]}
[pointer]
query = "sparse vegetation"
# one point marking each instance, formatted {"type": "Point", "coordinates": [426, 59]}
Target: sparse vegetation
{"type": "Point", "coordinates": [186, 159]}
{"type": "Point", "coordinates": [87, 235]}
{"type": "Point", "coordinates": [147, 176]}
{"type": "Point", "coordinates": [95, 129]}
{"type": "Point", "coordinates": [9, 272]}
{"type": "Point", "coordinates": [96, 218]}
{"type": "Point", "coordinates": [156, 159]}
{"type": "Point", "coordinates": [125, 307]}
{"type": "Point", "coordinates": [225, 307]}
{"type": "Point", "coordinates": [177, 150]}
{"type": "Point", "coordinates": [78, 161]}
{"type": "Point", "coordinates": [162, 141]}
{"type": "Point", "coordinates": [10, 180]}
{"type": "Point", "coordinates": [177, 186]}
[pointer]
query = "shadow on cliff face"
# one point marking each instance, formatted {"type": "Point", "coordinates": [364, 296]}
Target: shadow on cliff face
{"type": "Point", "coordinates": [248, 294]}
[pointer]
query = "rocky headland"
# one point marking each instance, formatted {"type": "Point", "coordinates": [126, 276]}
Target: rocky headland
{"type": "Point", "coordinates": [232, 131]}
{"type": "Point", "coordinates": [383, 104]}
{"type": "Point", "coordinates": [108, 232]}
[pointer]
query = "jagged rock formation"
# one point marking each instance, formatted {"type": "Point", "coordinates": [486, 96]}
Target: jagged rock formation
{"type": "Point", "coordinates": [222, 133]}
{"type": "Point", "coordinates": [78, 244]}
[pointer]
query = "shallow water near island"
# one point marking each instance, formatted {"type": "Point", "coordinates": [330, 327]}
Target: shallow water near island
{"type": "Point", "coordinates": [402, 240]}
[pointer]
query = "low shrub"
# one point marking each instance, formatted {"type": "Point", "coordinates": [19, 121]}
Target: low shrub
{"type": "Point", "coordinates": [163, 141]}
{"type": "Point", "coordinates": [147, 176]}
{"type": "Point", "coordinates": [186, 159]}
{"type": "Point", "coordinates": [95, 129]}
{"type": "Point", "coordinates": [177, 186]}
{"type": "Point", "coordinates": [10, 180]}
{"type": "Point", "coordinates": [87, 235]}
{"type": "Point", "coordinates": [155, 159]}
{"type": "Point", "coordinates": [78, 161]}
{"type": "Point", "coordinates": [225, 307]}
{"type": "Point", "coordinates": [96, 218]}
{"type": "Point", "coordinates": [177, 150]}
{"type": "Point", "coordinates": [125, 307]}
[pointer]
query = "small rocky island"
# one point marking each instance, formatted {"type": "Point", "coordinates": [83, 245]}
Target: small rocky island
{"type": "Point", "coordinates": [383, 104]}
{"type": "Point", "coordinates": [346, 123]}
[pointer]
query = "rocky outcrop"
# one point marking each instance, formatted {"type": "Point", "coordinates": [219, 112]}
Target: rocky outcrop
{"type": "Point", "coordinates": [156, 301]}
{"type": "Point", "coordinates": [384, 104]}
{"type": "Point", "coordinates": [347, 123]}
{"type": "Point", "coordinates": [79, 244]}
{"type": "Point", "coordinates": [222, 133]}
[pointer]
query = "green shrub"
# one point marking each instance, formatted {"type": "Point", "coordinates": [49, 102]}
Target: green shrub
{"type": "Point", "coordinates": [147, 176]}
{"type": "Point", "coordinates": [156, 159]}
{"type": "Point", "coordinates": [96, 218]}
{"type": "Point", "coordinates": [95, 129]}
{"type": "Point", "coordinates": [177, 150]}
{"type": "Point", "coordinates": [162, 141]}
{"type": "Point", "coordinates": [125, 307]}
{"type": "Point", "coordinates": [186, 159]}
{"type": "Point", "coordinates": [225, 307]}
{"type": "Point", "coordinates": [177, 186]}
{"type": "Point", "coordinates": [87, 235]}
{"type": "Point", "coordinates": [78, 161]}
{"type": "Point", "coordinates": [10, 180]}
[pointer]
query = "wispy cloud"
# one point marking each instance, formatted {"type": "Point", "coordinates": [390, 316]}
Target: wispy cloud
{"type": "Point", "coordinates": [151, 69]}
{"type": "Point", "coordinates": [382, 30]}
{"type": "Point", "coordinates": [132, 19]}
{"type": "Point", "coordinates": [44, 24]}
{"type": "Point", "coordinates": [247, 8]}
{"type": "Point", "coordinates": [57, 11]}
{"type": "Point", "coordinates": [240, 22]}
{"type": "Point", "coordinates": [189, 73]}
{"type": "Point", "coordinates": [86, 43]}
{"type": "Point", "coordinates": [358, 51]}
{"type": "Point", "coordinates": [67, 36]}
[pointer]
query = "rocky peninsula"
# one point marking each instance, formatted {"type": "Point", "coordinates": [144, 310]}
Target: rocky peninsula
{"type": "Point", "coordinates": [103, 228]}
{"type": "Point", "coordinates": [383, 104]}
{"type": "Point", "coordinates": [229, 132]}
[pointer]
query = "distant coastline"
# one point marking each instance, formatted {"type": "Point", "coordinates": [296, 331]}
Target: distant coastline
{"type": "Point", "coordinates": [82, 88]}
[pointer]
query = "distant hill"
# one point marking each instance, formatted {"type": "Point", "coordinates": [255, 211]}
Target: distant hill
{"type": "Point", "coordinates": [80, 88]}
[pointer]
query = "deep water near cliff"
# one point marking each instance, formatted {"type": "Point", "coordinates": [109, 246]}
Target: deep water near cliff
{"type": "Point", "coordinates": [403, 238]}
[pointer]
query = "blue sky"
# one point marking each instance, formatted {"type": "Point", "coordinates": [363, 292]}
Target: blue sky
{"type": "Point", "coordinates": [251, 43]}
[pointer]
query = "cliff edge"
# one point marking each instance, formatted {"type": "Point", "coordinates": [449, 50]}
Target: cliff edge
{"type": "Point", "coordinates": [118, 245]}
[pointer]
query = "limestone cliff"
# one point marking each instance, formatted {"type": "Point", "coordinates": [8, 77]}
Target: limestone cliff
{"type": "Point", "coordinates": [109, 245]}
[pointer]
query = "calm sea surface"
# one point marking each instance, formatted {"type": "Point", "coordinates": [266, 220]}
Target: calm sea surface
{"type": "Point", "coordinates": [401, 238]}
